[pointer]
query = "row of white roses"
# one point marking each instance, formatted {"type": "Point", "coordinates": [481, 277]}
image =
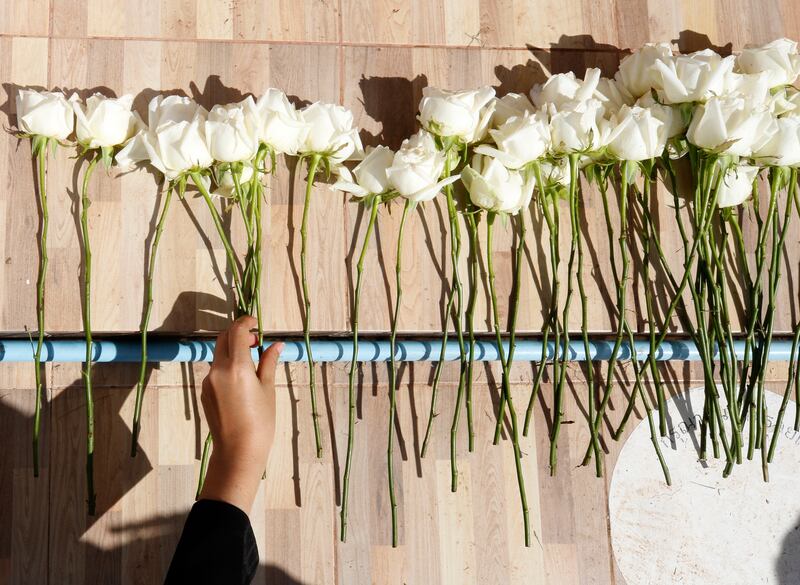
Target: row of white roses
{"type": "Point", "coordinates": [743, 106]}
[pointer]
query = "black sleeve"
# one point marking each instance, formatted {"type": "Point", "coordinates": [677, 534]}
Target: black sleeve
{"type": "Point", "coordinates": [217, 546]}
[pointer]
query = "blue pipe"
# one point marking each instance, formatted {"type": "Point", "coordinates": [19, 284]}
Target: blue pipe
{"type": "Point", "coordinates": [340, 350]}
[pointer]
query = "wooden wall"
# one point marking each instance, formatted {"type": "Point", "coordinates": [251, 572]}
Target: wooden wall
{"type": "Point", "coordinates": [373, 56]}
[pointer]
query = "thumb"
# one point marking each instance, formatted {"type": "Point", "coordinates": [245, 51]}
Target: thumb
{"type": "Point", "coordinates": [268, 363]}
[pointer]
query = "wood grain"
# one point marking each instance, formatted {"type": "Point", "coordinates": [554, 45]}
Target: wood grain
{"type": "Point", "coordinates": [373, 56]}
{"type": "Point", "coordinates": [471, 536]}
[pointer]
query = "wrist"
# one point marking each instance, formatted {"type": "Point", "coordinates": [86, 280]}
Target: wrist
{"type": "Point", "coordinates": [233, 476]}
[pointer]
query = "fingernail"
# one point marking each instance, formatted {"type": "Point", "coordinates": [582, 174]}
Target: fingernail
{"type": "Point", "coordinates": [279, 345]}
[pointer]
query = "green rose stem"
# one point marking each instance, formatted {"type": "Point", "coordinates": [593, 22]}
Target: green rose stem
{"type": "Point", "coordinates": [778, 242]}
{"type": "Point", "coordinates": [723, 329]}
{"type": "Point", "coordinates": [648, 296]}
{"type": "Point", "coordinates": [473, 297]}
{"type": "Point", "coordinates": [626, 169]}
{"type": "Point", "coordinates": [559, 390]}
{"type": "Point", "coordinates": [145, 323]}
{"type": "Point", "coordinates": [552, 220]}
{"type": "Point", "coordinates": [706, 205]}
{"type": "Point", "coordinates": [393, 368]}
{"type": "Point", "coordinates": [237, 283]}
{"type": "Point", "coordinates": [87, 328]}
{"type": "Point", "coordinates": [506, 383]}
{"type": "Point", "coordinates": [351, 421]}
{"type": "Point", "coordinates": [256, 189]}
{"type": "Point", "coordinates": [586, 349]}
{"type": "Point", "coordinates": [703, 222]}
{"type": "Point", "coordinates": [246, 205]}
{"type": "Point", "coordinates": [455, 255]}
{"type": "Point", "coordinates": [39, 146]}
{"type": "Point", "coordinates": [512, 330]}
{"type": "Point", "coordinates": [753, 308]}
{"type": "Point", "coordinates": [748, 383]}
{"type": "Point", "coordinates": [790, 380]}
{"type": "Point", "coordinates": [313, 164]}
{"type": "Point", "coordinates": [432, 414]}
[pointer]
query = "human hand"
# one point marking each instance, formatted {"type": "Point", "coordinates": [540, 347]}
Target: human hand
{"type": "Point", "coordinates": [239, 404]}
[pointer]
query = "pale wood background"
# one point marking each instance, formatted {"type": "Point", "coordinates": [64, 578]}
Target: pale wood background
{"type": "Point", "coordinates": [373, 56]}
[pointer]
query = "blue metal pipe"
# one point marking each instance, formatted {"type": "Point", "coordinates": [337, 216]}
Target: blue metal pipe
{"type": "Point", "coordinates": [340, 350]}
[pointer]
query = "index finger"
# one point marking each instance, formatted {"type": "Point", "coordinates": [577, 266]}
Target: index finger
{"type": "Point", "coordinates": [240, 339]}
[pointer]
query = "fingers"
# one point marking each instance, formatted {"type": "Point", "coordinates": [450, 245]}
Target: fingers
{"type": "Point", "coordinates": [268, 363]}
{"type": "Point", "coordinates": [221, 348]}
{"type": "Point", "coordinates": [241, 339]}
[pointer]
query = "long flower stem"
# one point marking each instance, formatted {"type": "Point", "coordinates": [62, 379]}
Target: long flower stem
{"type": "Point", "coordinates": [559, 391]}
{"type": "Point", "coordinates": [648, 295]}
{"type": "Point", "coordinates": [145, 323]}
{"type": "Point", "coordinates": [512, 330]}
{"type": "Point", "coordinates": [473, 297]}
{"type": "Point", "coordinates": [552, 220]}
{"type": "Point", "coordinates": [455, 255]}
{"type": "Point", "coordinates": [791, 197]}
{"type": "Point", "coordinates": [779, 239]}
{"type": "Point", "coordinates": [313, 164]}
{"type": "Point", "coordinates": [393, 369]}
{"type": "Point", "coordinates": [351, 421]}
{"type": "Point", "coordinates": [506, 383]}
{"type": "Point", "coordinates": [87, 328]}
{"type": "Point", "coordinates": [748, 377]}
{"type": "Point", "coordinates": [231, 256]}
{"type": "Point", "coordinates": [590, 387]}
{"type": "Point", "coordinates": [432, 414]}
{"type": "Point", "coordinates": [41, 163]}
{"type": "Point", "coordinates": [621, 282]}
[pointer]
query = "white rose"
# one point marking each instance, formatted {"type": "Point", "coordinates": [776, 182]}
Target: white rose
{"type": "Point", "coordinates": [509, 106]}
{"type": "Point", "coordinates": [459, 114]}
{"type": "Point", "coordinates": [104, 121]}
{"type": "Point", "coordinates": [779, 59]}
{"type": "Point", "coordinates": [670, 115]}
{"type": "Point", "coordinates": [169, 109]}
{"type": "Point", "coordinates": [612, 95]}
{"type": "Point", "coordinates": [564, 88]}
{"type": "Point", "coordinates": [370, 174]}
{"type": "Point", "coordinates": [330, 132]}
{"type": "Point", "coordinates": [47, 114]}
{"type": "Point", "coordinates": [494, 187]}
{"type": "Point", "coordinates": [751, 86]}
{"type": "Point", "coordinates": [575, 129]}
{"type": "Point", "coordinates": [736, 185]}
{"type": "Point", "coordinates": [692, 78]}
{"type": "Point", "coordinates": [730, 125]}
{"type": "Point", "coordinates": [174, 141]}
{"type": "Point", "coordinates": [417, 168]}
{"type": "Point", "coordinates": [282, 126]}
{"type": "Point", "coordinates": [783, 148]}
{"type": "Point", "coordinates": [636, 71]}
{"type": "Point", "coordinates": [232, 131]}
{"type": "Point", "coordinates": [637, 135]}
{"type": "Point", "coordinates": [519, 141]}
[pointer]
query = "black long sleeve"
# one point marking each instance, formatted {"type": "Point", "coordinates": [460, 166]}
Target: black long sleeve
{"type": "Point", "coordinates": [217, 546]}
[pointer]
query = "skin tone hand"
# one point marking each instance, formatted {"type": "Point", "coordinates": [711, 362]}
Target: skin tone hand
{"type": "Point", "coordinates": [239, 403]}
